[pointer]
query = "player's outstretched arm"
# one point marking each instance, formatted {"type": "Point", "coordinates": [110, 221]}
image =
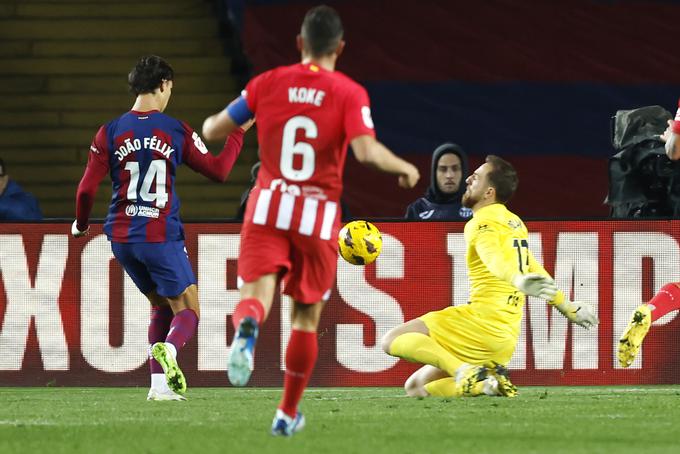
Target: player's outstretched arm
{"type": "Point", "coordinates": [87, 189]}
{"type": "Point", "coordinates": [217, 168]}
{"type": "Point", "coordinates": [504, 264]}
{"type": "Point", "coordinates": [220, 125]}
{"type": "Point", "coordinates": [578, 312]}
{"type": "Point", "coordinates": [372, 153]}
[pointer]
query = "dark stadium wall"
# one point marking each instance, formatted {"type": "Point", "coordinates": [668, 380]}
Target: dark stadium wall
{"type": "Point", "coordinates": [535, 82]}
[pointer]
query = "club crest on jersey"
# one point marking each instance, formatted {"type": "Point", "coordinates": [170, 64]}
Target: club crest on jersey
{"type": "Point", "coordinates": [131, 210]}
{"type": "Point", "coordinates": [465, 212]}
{"type": "Point", "coordinates": [514, 224]}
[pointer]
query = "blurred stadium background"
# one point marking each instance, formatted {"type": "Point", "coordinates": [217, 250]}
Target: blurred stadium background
{"type": "Point", "coordinates": [533, 81]}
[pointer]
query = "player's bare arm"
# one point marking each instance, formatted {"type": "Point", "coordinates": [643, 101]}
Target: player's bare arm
{"type": "Point", "coordinates": [372, 153]}
{"type": "Point", "coordinates": [220, 125]}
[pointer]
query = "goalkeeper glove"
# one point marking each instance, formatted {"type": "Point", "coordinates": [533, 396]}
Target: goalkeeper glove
{"type": "Point", "coordinates": [580, 313]}
{"type": "Point", "coordinates": [534, 284]}
{"type": "Point", "coordinates": [76, 232]}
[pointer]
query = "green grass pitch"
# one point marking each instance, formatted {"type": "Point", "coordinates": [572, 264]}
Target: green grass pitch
{"type": "Point", "coordinates": [571, 420]}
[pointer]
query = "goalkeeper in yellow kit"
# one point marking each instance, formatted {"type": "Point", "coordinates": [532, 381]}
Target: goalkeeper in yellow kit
{"type": "Point", "coordinates": [465, 349]}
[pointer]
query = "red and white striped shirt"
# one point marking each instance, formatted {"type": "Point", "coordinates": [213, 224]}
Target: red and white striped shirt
{"type": "Point", "coordinates": [306, 117]}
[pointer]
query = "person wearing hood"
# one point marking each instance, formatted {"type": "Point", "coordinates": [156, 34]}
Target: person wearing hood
{"type": "Point", "coordinates": [15, 203]}
{"type": "Point", "coordinates": [442, 201]}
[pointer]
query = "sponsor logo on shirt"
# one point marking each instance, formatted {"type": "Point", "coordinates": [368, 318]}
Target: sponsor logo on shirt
{"type": "Point", "coordinates": [143, 211]}
{"type": "Point", "coordinates": [465, 212]}
{"type": "Point", "coordinates": [93, 149]}
{"type": "Point", "coordinates": [199, 143]}
{"type": "Point", "coordinates": [426, 214]}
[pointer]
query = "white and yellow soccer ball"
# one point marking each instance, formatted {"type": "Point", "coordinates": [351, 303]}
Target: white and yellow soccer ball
{"type": "Point", "coordinates": [359, 242]}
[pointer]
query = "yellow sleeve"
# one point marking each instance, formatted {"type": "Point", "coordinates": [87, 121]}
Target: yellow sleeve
{"type": "Point", "coordinates": [500, 262]}
{"type": "Point", "coordinates": [535, 267]}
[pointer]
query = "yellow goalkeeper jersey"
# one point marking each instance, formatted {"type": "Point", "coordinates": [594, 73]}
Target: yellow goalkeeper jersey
{"type": "Point", "coordinates": [498, 249]}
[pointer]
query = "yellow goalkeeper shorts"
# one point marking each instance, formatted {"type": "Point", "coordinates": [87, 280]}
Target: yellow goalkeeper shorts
{"type": "Point", "coordinates": [471, 338]}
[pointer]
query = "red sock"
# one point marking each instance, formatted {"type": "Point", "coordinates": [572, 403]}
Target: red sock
{"type": "Point", "coordinates": [182, 328]}
{"type": "Point", "coordinates": [250, 307]}
{"type": "Point", "coordinates": [159, 325]}
{"type": "Point", "coordinates": [665, 301]}
{"type": "Point", "coordinates": [300, 358]}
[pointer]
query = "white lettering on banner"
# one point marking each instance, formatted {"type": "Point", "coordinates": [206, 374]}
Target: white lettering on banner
{"type": "Point", "coordinates": [381, 307]}
{"type": "Point", "coordinates": [94, 314]}
{"type": "Point", "coordinates": [629, 250]}
{"type": "Point", "coordinates": [460, 285]}
{"type": "Point", "coordinates": [217, 302]}
{"type": "Point", "coordinates": [38, 303]}
{"type": "Point", "coordinates": [576, 274]}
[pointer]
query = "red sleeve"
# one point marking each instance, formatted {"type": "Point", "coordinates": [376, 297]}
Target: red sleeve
{"type": "Point", "coordinates": [676, 124]}
{"type": "Point", "coordinates": [199, 159]}
{"type": "Point", "coordinates": [251, 92]}
{"type": "Point", "coordinates": [96, 170]}
{"type": "Point", "coordinates": [358, 121]}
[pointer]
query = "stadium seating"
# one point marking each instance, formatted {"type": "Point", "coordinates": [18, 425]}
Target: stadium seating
{"type": "Point", "coordinates": [63, 68]}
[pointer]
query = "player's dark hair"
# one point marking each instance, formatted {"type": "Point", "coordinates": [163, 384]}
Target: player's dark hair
{"type": "Point", "coordinates": [3, 169]}
{"type": "Point", "coordinates": [502, 177]}
{"type": "Point", "coordinates": [321, 30]}
{"type": "Point", "coordinates": [148, 74]}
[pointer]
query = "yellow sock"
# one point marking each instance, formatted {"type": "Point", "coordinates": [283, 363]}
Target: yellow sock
{"type": "Point", "coordinates": [420, 348]}
{"type": "Point", "coordinates": [444, 387]}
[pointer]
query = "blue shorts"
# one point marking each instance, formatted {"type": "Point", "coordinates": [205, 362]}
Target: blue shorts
{"type": "Point", "coordinates": [163, 267]}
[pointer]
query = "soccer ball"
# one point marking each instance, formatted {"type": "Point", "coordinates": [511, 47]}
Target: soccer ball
{"type": "Point", "coordinates": [360, 242]}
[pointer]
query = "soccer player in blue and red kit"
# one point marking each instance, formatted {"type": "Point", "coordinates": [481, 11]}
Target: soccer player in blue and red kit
{"type": "Point", "coordinates": [307, 114]}
{"type": "Point", "coordinates": [141, 150]}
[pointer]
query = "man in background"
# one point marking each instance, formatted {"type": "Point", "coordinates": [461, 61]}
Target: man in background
{"type": "Point", "coordinates": [15, 203]}
{"type": "Point", "coordinates": [442, 201]}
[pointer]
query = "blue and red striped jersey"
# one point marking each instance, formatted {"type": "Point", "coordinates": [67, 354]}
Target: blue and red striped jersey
{"type": "Point", "coordinates": [142, 151]}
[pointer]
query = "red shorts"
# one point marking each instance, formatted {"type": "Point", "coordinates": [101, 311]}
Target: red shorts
{"type": "Point", "coordinates": [307, 264]}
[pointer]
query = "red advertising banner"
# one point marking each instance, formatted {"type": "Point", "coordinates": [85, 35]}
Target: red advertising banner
{"type": "Point", "coordinates": [70, 316]}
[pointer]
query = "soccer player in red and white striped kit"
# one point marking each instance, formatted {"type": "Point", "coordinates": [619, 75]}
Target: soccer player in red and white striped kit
{"type": "Point", "coordinates": [667, 299]}
{"type": "Point", "coordinates": [307, 114]}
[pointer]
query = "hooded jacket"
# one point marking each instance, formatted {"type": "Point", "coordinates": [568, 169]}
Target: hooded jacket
{"type": "Point", "coordinates": [436, 205]}
{"type": "Point", "coordinates": [18, 205]}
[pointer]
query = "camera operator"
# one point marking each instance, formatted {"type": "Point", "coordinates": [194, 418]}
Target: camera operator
{"type": "Point", "coordinates": [643, 181]}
